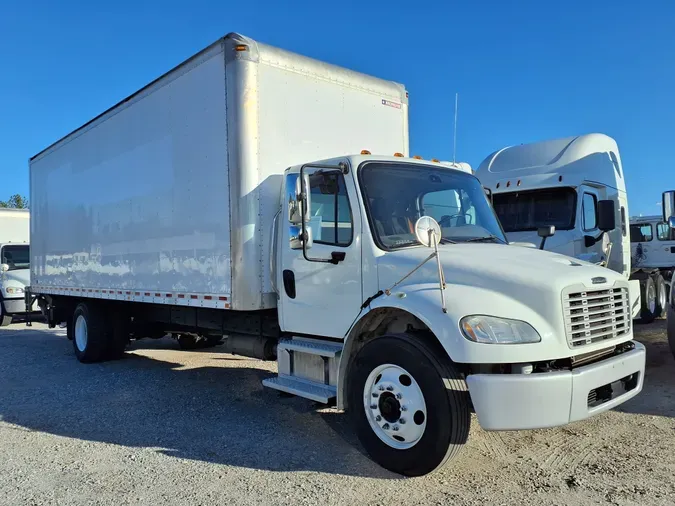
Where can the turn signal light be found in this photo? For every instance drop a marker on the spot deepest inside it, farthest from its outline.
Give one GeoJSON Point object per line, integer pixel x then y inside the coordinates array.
{"type": "Point", "coordinates": [241, 47]}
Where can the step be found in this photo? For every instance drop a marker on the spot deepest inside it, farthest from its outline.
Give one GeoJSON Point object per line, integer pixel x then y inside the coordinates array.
{"type": "Point", "coordinates": [302, 388]}
{"type": "Point", "coordinates": [310, 347]}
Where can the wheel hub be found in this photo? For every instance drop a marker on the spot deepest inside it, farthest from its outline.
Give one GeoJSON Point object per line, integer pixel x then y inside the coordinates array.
{"type": "Point", "coordinates": [389, 407]}
{"type": "Point", "coordinates": [395, 406]}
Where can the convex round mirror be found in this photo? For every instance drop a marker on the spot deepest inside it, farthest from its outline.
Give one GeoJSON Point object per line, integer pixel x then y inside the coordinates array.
{"type": "Point", "coordinates": [427, 231]}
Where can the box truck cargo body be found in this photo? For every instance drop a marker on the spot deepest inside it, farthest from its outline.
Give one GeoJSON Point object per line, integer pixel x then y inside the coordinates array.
{"type": "Point", "coordinates": [263, 199]}
{"type": "Point", "coordinates": [169, 191]}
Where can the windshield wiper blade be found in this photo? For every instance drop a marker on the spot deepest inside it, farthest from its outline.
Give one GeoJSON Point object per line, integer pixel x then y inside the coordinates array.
{"type": "Point", "coordinates": [446, 241]}
{"type": "Point", "coordinates": [486, 238]}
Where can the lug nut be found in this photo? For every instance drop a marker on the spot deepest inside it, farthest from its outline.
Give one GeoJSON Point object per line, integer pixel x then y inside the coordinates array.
{"type": "Point", "coordinates": [381, 388]}
{"type": "Point", "coordinates": [399, 395]}
{"type": "Point", "coordinates": [395, 428]}
{"type": "Point", "coordinates": [375, 394]}
{"type": "Point", "coordinates": [378, 418]}
{"type": "Point", "coordinates": [403, 408]}
{"type": "Point", "coordinates": [390, 388]}
{"type": "Point", "coordinates": [373, 406]}
{"type": "Point", "coordinates": [385, 426]}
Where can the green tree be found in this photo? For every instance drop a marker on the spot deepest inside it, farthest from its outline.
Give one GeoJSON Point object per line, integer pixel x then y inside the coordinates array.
{"type": "Point", "coordinates": [15, 202]}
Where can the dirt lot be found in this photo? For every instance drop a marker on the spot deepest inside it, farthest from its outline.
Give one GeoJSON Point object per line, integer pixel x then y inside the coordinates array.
{"type": "Point", "coordinates": [171, 427]}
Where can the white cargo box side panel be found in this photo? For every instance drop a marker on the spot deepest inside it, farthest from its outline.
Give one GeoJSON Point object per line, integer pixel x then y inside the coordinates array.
{"type": "Point", "coordinates": [295, 110]}
{"type": "Point", "coordinates": [138, 200]}
{"type": "Point", "coordinates": [14, 225]}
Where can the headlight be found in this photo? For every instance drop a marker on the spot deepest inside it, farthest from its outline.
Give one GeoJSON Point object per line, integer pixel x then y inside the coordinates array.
{"type": "Point", "coordinates": [493, 330]}
{"type": "Point", "coordinates": [12, 290]}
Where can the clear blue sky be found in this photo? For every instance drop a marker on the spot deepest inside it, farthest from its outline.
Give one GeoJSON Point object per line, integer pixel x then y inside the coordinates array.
{"type": "Point", "coordinates": [524, 72]}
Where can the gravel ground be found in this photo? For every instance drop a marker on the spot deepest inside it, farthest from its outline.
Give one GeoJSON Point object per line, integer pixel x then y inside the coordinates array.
{"type": "Point", "coordinates": [172, 427]}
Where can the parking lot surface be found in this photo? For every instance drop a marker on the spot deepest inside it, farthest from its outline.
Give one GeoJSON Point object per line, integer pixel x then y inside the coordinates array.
{"type": "Point", "coordinates": [163, 426]}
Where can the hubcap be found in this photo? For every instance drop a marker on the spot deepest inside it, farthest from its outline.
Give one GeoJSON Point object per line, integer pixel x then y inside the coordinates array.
{"type": "Point", "coordinates": [395, 406]}
{"type": "Point", "coordinates": [651, 299]}
{"type": "Point", "coordinates": [81, 333]}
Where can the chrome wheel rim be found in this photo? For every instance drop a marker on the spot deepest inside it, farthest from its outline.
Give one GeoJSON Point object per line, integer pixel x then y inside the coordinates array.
{"type": "Point", "coordinates": [395, 406]}
{"type": "Point", "coordinates": [81, 333]}
{"type": "Point", "coordinates": [651, 299]}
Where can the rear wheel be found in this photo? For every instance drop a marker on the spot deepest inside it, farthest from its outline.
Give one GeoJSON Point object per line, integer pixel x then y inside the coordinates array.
{"type": "Point", "coordinates": [661, 295]}
{"type": "Point", "coordinates": [90, 335]}
{"type": "Point", "coordinates": [648, 295]}
{"type": "Point", "coordinates": [410, 410]}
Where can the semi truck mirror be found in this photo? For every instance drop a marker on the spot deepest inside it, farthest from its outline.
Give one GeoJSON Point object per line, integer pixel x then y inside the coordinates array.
{"type": "Point", "coordinates": [296, 237]}
{"type": "Point", "coordinates": [545, 233]}
{"type": "Point", "coordinates": [4, 267]}
{"type": "Point", "coordinates": [427, 231]}
{"type": "Point", "coordinates": [294, 199]}
{"type": "Point", "coordinates": [606, 215]}
{"type": "Point", "coordinates": [668, 207]}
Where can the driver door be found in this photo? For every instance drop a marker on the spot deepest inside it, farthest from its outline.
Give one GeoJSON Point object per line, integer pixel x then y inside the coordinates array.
{"type": "Point", "coordinates": [317, 297]}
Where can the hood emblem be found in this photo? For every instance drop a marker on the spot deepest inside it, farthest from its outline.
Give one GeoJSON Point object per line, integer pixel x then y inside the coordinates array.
{"type": "Point", "coordinates": [599, 280]}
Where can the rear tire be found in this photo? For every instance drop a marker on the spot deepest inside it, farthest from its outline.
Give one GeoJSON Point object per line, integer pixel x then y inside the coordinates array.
{"type": "Point", "coordinates": [649, 298]}
{"type": "Point", "coordinates": [188, 342]}
{"type": "Point", "coordinates": [91, 337]}
{"type": "Point", "coordinates": [433, 389]}
{"type": "Point", "coordinates": [661, 295]}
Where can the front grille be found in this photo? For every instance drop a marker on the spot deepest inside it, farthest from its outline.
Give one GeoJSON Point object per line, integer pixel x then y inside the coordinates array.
{"type": "Point", "coordinates": [592, 316]}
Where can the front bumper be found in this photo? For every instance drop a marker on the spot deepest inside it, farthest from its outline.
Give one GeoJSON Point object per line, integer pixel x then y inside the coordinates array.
{"type": "Point", "coordinates": [18, 306]}
{"type": "Point", "coordinates": [540, 400]}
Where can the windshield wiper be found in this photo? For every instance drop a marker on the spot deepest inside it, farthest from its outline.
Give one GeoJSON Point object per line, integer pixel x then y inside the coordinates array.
{"type": "Point", "coordinates": [486, 238]}
{"type": "Point", "coordinates": [446, 241]}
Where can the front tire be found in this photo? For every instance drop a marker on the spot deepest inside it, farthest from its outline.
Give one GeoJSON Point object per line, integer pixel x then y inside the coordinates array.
{"type": "Point", "coordinates": [649, 297]}
{"type": "Point", "coordinates": [90, 335]}
{"type": "Point", "coordinates": [4, 318]}
{"type": "Point", "coordinates": [661, 295]}
{"type": "Point", "coordinates": [410, 409]}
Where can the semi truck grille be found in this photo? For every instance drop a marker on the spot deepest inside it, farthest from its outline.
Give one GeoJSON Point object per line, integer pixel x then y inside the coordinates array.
{"type": "Point", "coordinates": [592, 316]}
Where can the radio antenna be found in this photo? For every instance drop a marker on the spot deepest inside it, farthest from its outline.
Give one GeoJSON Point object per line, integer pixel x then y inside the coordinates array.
{"type": "Point", "coordinates": [454, 142]}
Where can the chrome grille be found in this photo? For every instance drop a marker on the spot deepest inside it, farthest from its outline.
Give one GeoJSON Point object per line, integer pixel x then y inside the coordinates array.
{"type": "Point", "coordinates": [592, 316]}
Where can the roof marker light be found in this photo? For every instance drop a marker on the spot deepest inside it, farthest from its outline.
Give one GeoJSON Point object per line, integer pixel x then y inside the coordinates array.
{"type": "Point", "coordinates": [365, 152]}
{"type": "Point", "coordinates": [417, 157]}
{"type": "Point", "coordinates": [241, 47]}
{"type": "Point", "coordinates": [398, 155]}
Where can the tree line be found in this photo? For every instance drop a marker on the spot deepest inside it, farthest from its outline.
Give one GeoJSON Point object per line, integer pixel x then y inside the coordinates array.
{"type": "Point", "coordinates": [15, 202]}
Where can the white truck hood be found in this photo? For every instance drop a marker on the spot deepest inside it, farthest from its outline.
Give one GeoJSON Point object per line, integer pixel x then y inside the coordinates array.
{"type": "Point", "coordinates": [17, 277]}
{"type": "Point", "coordinates": [498, 280]}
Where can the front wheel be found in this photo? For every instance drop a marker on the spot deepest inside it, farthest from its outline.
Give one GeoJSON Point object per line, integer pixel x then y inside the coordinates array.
{"type": "Point", "coordinates": [4, 318]}
{"type": "Point", "coordinates": [410, 409]}
{"type": "Point", "coordinates": [649, 300]}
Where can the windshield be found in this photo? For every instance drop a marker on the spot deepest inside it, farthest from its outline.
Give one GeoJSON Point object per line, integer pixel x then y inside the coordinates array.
{"type": "Point", "coordinates": [397, 194]}
{"type": "Point", "coordinates": [17, 257]}
{"type": "Point", "coordinates": [529, 210]}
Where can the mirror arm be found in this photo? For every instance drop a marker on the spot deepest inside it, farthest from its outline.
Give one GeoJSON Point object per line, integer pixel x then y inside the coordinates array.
{"type": "Point", "coordinates": [543, 241]}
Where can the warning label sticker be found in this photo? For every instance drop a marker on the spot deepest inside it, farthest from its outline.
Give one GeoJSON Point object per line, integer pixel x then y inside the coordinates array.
{"type": "Point", "coordinates": [391, 104]}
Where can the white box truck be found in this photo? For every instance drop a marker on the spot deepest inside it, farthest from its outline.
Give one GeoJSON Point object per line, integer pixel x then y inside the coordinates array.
{"type": "Point", "coordinates": [236, 198]}
{"type": "Point", "coordinates": [14, 264]}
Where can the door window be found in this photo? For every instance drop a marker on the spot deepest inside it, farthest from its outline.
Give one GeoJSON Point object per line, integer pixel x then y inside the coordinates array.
{"type": "Point", "coordinates": [331, 216]}
{"type": "Point", "coordinates": [589, 211]}
{"type": "Point", "coordinates": [664, 232]}
{"type": "Point", "coordinates": [641, 232]}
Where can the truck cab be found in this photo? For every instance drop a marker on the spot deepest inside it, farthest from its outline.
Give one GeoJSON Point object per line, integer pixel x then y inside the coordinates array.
{"type": "Point", "coordinates": [374, 315]}
{"type": "Point", "coordinates": [564, 183]}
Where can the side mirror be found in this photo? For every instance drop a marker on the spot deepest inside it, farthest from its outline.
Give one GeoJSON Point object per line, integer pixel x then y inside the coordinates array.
{"type": "Point", "coordinates": [294, 199]}
{"type": "Point", "coordinates": [606, 215]}
{"type": "Point", "coordinates": [428, 231]}
{"type": "Point", "coordinates": [668, 207]}
{"type": "Point", "coordinates": [4, 268]}
{"type": "Point", "coordinates": [296, 237]}
{"type": "Point", "coordinates": [488, 193]}
{"type": "Point", "coordinates": [545, 233]}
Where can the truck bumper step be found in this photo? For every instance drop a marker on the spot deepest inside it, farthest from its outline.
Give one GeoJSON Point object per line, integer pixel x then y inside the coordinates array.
{"type": "Point", "coordinates": [302, 388]}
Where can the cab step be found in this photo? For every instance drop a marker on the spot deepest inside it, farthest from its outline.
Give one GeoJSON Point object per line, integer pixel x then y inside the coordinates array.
{"type": "Point", "coordinates": [307, 368]}
{"type": "Point", "coordinates": [302, 388]}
